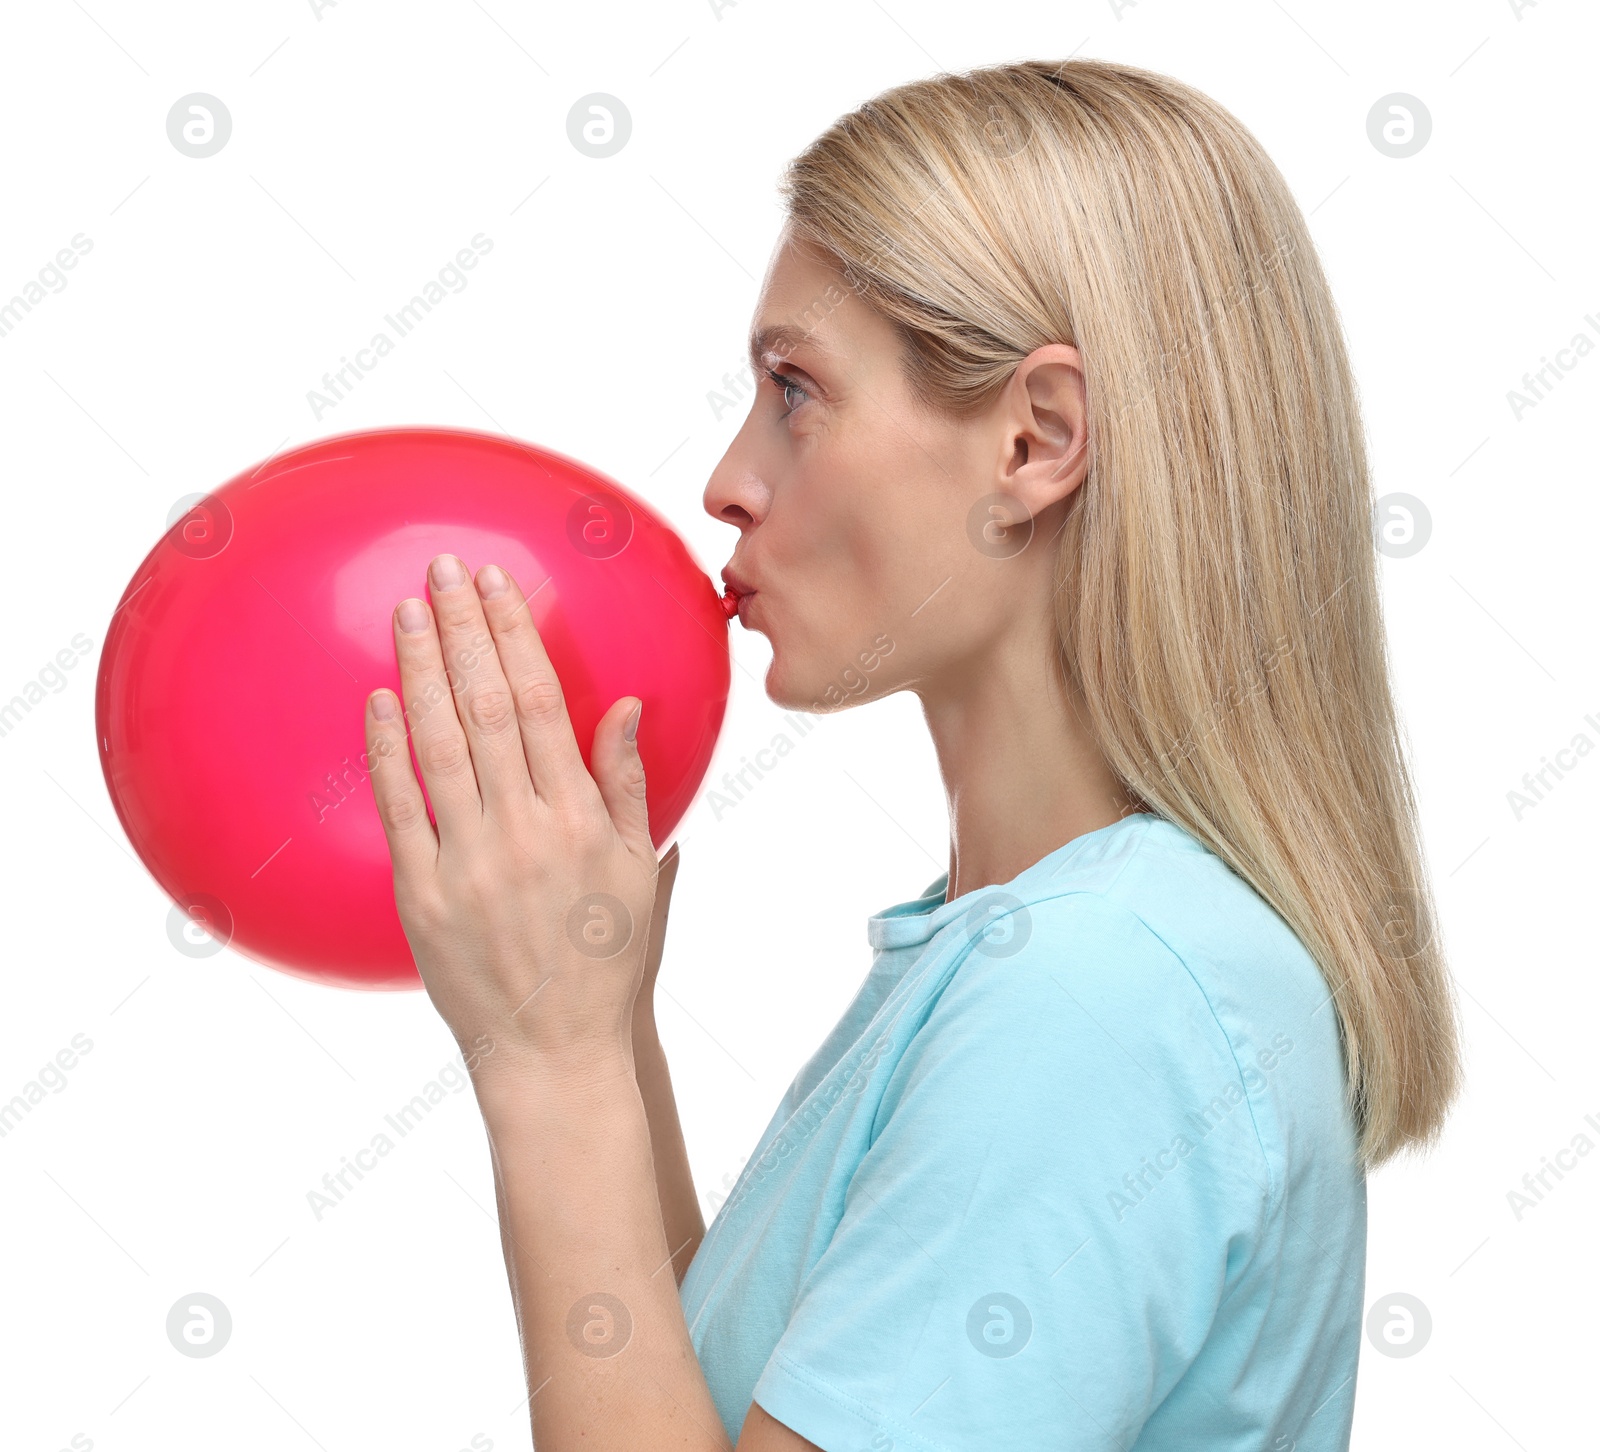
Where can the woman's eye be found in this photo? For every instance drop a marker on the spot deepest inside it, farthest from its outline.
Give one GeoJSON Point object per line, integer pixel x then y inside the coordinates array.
{"type": "Point", "coordinates": [787, 388]}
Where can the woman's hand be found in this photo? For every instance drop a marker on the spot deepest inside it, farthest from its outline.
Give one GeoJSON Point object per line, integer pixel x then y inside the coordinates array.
{"type": "Point", "coordinates": [644, 1006]}
{"type": "Point", "coordinates": [528, 907]}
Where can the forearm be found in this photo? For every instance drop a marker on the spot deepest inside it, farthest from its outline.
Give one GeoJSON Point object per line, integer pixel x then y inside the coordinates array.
{"type": "Point", "coordinates": [609, 1361]}
{"type": "Point", "coordinates": [680, 1206]}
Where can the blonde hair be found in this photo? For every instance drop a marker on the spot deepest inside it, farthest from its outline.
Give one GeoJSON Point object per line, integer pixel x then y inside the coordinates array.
{"type": "Point", "coordinates": [1218, 596]}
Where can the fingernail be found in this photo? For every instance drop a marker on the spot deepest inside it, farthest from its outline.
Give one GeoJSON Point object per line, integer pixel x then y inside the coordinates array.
{"type": "Point", "coordinates": [413, 616]}
{"type": "Point", "coordinates": [630, 727]}
{"type": "Point", "coordinates": [492, 581]}
{"type": "Point", "coordinates": [383, 704]}
{"type": "Point", "coordinates": [445, 572]}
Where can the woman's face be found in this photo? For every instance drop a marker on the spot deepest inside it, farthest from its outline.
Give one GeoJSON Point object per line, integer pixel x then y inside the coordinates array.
{"type": "Point", "coordinates": [865, 528]}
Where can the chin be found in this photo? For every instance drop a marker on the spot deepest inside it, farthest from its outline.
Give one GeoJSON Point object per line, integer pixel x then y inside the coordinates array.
{"type": "Point", "coordinates": [819, 697]}
{"type": "Point", "coordinates": [783, 692]}
{"type": "Point", "coordinates": [791, 694]}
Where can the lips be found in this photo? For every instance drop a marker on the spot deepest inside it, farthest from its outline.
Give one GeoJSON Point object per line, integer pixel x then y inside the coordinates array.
{"type": "Point", "coordinates": [736, 598]}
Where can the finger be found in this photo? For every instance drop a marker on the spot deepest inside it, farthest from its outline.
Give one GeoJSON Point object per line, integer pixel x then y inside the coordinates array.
{"type": "Point", "coordinates": [483, 696]}
{"type": "Point", "coordinates": [413, 845]}
{"type": "Point", "coordinates": [619, 773]}
{"type": "Point", "coordinates": [441, 744]}
{"type": "Point", "coordinates": [549, 746]}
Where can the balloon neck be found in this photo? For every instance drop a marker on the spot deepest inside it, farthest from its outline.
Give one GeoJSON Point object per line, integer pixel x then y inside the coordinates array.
{"type": "Point", "coordinates": [729, 603]}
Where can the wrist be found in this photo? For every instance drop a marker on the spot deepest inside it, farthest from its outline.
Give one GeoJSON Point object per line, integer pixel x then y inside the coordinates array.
{"type": "Point", "coordinates": [543, 1084]}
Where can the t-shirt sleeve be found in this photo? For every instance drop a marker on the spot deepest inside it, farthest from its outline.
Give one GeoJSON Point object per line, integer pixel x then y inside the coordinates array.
{"type": "Point", "coordinates": [1064, 1177]}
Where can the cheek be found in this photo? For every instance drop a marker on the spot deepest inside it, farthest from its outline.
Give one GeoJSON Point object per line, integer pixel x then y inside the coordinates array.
{"type": "Point", "coordinates": [866, 507]}
{"type": "Point", "coordinates": [835, 641]}
{"type": "Point", "coordinates": [869, 529]}
{"type": "Point", "coordinates": [821, 536]}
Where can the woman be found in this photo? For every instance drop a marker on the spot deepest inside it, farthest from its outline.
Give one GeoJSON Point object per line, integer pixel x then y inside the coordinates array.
{"type": "Point", "coordinates": [1056, 430]}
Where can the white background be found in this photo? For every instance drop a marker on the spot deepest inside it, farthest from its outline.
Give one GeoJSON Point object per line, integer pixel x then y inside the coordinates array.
{"type": "Point", "coordinates": [369, 145]}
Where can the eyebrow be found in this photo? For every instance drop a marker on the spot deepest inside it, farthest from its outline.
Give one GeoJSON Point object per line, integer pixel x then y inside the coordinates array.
{"type": "Point", "coordinates": [782, 339]}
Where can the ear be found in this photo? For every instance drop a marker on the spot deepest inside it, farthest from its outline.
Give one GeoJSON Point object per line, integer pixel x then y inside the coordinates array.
{"type": "Point", "coordinates": [1044, 440]}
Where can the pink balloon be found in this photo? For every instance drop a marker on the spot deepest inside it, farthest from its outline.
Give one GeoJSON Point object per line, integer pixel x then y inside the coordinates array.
{"type": "Point", "coordinates": [232, 687]}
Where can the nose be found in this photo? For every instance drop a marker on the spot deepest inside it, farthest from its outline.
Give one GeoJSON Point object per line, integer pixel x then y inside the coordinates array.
{"type": "Point", "coordinates": [736, 492]}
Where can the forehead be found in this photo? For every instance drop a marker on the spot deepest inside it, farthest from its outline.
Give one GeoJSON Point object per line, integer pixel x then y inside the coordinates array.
{"type": "Point", "coordinates": [804, 302]}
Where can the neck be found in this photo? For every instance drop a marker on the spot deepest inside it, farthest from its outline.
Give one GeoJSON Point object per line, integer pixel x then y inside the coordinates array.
{"type": "Point", "coordinates": [1022, 774]}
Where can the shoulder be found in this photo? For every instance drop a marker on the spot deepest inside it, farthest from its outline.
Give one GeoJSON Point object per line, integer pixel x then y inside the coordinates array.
{"type": "Point", "coordinates": [1148, 994]}
{"type": "Point", "coordinates": [1151, 926]}
{"type": "Point", "coordinates": [1081, 1073]}
{"type": "Point", "coordinates": [1091, 974]}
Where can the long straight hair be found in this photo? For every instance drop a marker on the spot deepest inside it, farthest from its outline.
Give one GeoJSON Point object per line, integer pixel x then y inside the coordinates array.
{"type": "Point", "coordinates": [1218, 605]}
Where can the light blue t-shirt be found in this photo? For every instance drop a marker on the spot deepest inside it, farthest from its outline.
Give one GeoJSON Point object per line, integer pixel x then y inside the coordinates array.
{"type": "Point", "coordinates": [1074, 1171]}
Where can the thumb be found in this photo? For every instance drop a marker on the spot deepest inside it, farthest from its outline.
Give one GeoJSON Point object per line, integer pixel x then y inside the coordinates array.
{"type": "Point", "coordinates": [620, 775]}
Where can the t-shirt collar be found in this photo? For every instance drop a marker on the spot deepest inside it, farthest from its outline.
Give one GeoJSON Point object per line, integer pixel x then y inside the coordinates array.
{"type": "Point", "coordinates": [909, 924]}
